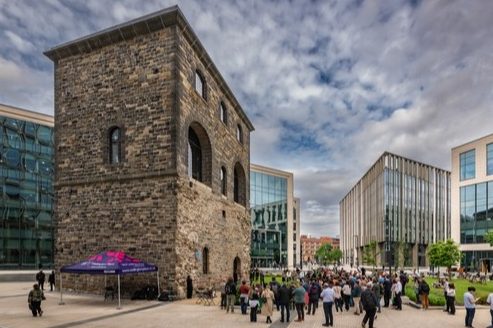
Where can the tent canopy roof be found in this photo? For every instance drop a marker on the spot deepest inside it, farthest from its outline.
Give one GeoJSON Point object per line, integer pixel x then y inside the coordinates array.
{"type": "Point", "coordinates": [110, 262]}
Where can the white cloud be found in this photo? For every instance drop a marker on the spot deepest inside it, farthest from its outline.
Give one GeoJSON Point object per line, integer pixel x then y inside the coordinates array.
{"type": "Point", "coordinates": [341, 81]}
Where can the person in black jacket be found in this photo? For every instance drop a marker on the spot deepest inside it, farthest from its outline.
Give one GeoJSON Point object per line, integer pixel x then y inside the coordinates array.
{"type": "Point", "coordinates": [369, 303]}
{"type": "Point", "coordinates": [284, 298]}
{"type": "Point", "coordinates": [40, 278]}
{"type": "Point", "coordinates": [313, 296]}
{"type": "Point", "coordinates": [387, 291]}
{"type": "Point", "coordinates": [51, 280]}
{"type": "Point", "coordinates": [189, 287]}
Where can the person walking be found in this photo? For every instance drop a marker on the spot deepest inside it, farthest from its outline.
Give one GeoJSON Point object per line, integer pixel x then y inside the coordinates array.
{"type": "Point", "coordinates": [387, 291]}
{"type": "Point", "coordinates": [489, 300]}
{"type": "Point", "coordinates": [470, 305]}
{"type": "Point", "coordinates": [254, 303]}
{"type": "Point", "coordinates": [337, 296]}
{"type": "Point", "coordinates": [189, 287]}
{"type": "Point", "coordinates": [356, 293]}
{"type": "Point", "coordinates": [313, 296]}
{"type": "Point", "coordinates": [230, 295]}
{"type": "Point", "coordinates": [268, 305]}
{"type": "Point", "coordinates": [424, 292]}
{"type": "Point", "coordinates": [403, 280]}
{"type": "Point", "coordinates": [40, 278]}
{"type": "Point", "coordinates": [451, 299]}
{"type": "Point", "coordinates": [398, 293]}
{"type": "Point", "coordinates": [34, 300]}
{"type": "Point", "coordinates": [369, 303]}
{"type": "Point", "coordinates": [328, 297]}
{"type": "Point", "coordinates": [346, 294]}
{"type": "Point", "coordinates": [377, 290]}
{"type": "Point", "coordinates": [445, 291]}
{"type": "Point", "coordinates": [222, 287]}
{"type": "Point", "coordinates": [299, 302]}
{"type": "Point", "coordinates": [283, 300]}
{"type": "Point", "coordinates": [51, 280]}
{"type": "Point", "coordinates": [244, 291]}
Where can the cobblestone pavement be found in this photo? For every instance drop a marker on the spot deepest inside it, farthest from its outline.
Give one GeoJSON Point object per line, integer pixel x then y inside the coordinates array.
{"type": "Point", "coordinates": [92, 311]}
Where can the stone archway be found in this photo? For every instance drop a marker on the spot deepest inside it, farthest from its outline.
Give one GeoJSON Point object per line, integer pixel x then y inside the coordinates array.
{"type": "Point", "coordinates": [236, 269]}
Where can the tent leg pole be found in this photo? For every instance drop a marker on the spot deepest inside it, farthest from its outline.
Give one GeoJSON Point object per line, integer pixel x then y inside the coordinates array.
{"type": "Point", "coordinates": [158, 289]}
{"type": "Point", "coordinates": [119, 303]}
{"type": "Point", "coordinates": [61, 291]}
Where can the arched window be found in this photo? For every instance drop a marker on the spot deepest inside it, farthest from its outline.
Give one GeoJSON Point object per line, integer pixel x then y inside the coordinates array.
{"type": "Point", "coordinates": [239, 185]}
{"type": "Point", "coordinates": [199, 154]}
{"type": "Point", "coordinates": [205, 260]}
{"type": "Point", "coordinates": [194, 155]}
{"type": "Point", "coordinates": [223, 181]}
{"type": "Point", "coordinates": [239, 134]}
{"type": "Point", "coordinates": [200, 83]}
{"type": "Point", "coordinates": [223, 113]}
{"type": "Point", "coordinates": [115, 145]}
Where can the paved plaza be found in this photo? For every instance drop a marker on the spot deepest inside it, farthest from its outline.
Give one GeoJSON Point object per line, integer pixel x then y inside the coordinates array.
{"type": "Point", "coordinates": [93, 311]}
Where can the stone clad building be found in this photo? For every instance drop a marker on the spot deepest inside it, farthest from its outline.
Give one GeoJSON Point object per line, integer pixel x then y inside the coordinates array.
{"type": "Point", "coordinates": [152, 154]}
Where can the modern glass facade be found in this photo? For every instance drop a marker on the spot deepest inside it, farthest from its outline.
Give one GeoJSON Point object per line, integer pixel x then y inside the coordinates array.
{"type": "Point", "coordinates": [26, 190]}
{"type": "Point", "coordinates": [476, 212]}
{"type": "Point", "coordinates": [472, 202]}
{"type": "Point", "coordinates": [401, 204]}
{"type": "Point", "coordinates": [489, 159]}
{"type": "Point", "coordinates": [269, 214]}
{"type": "Point", "coordinates": [468, 165]}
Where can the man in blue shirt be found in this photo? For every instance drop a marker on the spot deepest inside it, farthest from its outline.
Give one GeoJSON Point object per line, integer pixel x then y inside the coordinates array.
{"type": "Point", "coordinates": [469, 304]}
{"type": "Point", "coordinates": [327, 297]}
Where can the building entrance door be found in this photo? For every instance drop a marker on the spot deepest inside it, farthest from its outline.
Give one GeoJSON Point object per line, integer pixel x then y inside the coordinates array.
{"type": "Point", "coordinates": [236, 269]}
{"type": "Point", "coordinates": [485, 265]}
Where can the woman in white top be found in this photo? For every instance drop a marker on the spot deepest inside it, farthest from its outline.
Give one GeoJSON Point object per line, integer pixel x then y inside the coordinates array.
{"type": "Point", "coordinates": [337, 296]}
{"type": "Point", "coordinates": [451, 298]}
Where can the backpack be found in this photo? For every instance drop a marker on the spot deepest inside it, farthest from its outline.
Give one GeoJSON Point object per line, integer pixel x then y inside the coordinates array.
{"type": "Point", "coordinates": [425, 288]}
{"type": "Point", "coordinates": [313, 290]}
{"type": "Point", "coordinates": [230, 289]}
{"type": "Point", "coordinates": [368, 300]}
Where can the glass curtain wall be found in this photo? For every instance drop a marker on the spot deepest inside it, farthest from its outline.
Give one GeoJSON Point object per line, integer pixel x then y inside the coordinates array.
{"type": "Point", "coordinates": [476, 212]}
{"type": "Point", "coordinates": [268, 208]}
{"type": "Point", "coordinates": [26, 194]}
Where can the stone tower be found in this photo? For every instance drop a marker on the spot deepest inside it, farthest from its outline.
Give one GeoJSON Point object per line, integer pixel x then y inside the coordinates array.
{"type": "Point", "coordinates": [152, 154]}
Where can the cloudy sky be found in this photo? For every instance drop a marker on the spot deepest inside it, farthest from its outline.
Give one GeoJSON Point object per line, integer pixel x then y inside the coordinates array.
{"type": "Point", "coordinates": [329, 85]}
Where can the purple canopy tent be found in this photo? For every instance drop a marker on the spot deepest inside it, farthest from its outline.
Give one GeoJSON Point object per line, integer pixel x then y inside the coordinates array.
{"type": "Point", "coordinates": [109, 263]}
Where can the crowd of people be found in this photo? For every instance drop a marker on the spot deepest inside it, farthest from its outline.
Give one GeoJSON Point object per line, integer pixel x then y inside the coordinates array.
{"type": "Point", "coordinates": [338, 289]}
{"type": "Point", "coordinates": [302, 291]}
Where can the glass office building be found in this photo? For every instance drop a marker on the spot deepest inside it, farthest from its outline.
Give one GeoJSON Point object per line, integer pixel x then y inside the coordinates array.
{"type": "Point", "coordinates": [26, 189]}
{"type": "Point", "coordinates": [472, 195]}
{"type": "Point", "coordinates": [403, 205]}
{"type": "Point", "coordinates": [272, 214]}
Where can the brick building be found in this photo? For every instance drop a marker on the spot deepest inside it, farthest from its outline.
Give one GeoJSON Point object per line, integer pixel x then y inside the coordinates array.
{"type": "Point", "coordinates": [310, 245]}
{"type": "Point", "coordinates": [152, 154]}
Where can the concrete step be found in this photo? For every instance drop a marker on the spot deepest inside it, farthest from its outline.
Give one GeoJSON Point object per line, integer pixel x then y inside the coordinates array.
{"type": "Point", "coordinates": [19, 275]}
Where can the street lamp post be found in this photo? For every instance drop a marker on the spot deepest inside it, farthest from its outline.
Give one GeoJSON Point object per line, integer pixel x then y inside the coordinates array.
{"type": "Point", "coordinates": [356, 249]}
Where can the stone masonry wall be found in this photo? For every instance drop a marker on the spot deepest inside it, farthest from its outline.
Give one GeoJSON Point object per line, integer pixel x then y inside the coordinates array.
{"type": "Point", "coordinates": [147, 205]}
{"type": "Point", "coordinates": [130, 206]}
{"type": "Point", "coordinates": [201, 205]}
{"type": "Point", "coordinates": [138, 217]}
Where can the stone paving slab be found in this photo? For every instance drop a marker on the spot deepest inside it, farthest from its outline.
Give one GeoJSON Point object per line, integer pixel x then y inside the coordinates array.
{"type": "Point", "coordinates": [92, 311]}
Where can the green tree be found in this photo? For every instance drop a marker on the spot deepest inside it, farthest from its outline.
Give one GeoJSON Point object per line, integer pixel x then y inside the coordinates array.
{"type": "Point", "coordinates": [371, 253]}
{"type": "Point", "coordinates": [324, 254]}
{"type": "Point", "coordinates": [489, 237]}
{"type": "Point", "coordinates": [398, 248]}
{"type": "Point", "coordinates": [444, 253]}
{"type": "Point", "coordinates": [336, 255]}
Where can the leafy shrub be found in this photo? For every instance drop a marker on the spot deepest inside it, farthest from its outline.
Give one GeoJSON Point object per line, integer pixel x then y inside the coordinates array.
{"type": "Point", "coordinates": [411, 294]}
{"type": "Point", "coordinates": [436, 300]}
